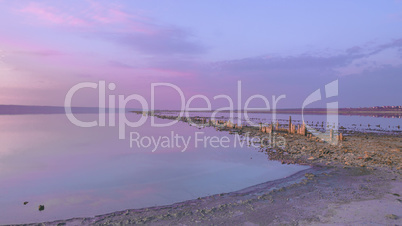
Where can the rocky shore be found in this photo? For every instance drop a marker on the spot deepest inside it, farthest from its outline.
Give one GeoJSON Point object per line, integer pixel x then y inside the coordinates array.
{"type": "Point", "coordinates": [359, 149]}
{"type": "Point", "coordinates": [355, 182]}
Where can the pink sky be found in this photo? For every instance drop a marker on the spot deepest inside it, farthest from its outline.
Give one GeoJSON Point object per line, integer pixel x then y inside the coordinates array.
{"type": "Point", "coordinates": [204, 48]}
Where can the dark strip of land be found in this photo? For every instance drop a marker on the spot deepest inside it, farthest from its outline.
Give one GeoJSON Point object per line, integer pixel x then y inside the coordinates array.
{"type": "Point", "coordinates": [373, 112]}
{"type": "Point", "coordinates": [33, 110]}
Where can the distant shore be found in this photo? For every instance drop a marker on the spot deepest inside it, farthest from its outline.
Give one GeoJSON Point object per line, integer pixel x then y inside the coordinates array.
{"type": "Point", "coordinates": [373, 112]}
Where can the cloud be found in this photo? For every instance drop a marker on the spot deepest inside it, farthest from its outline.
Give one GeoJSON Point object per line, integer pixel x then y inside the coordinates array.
{"type": "Point", "coordinates": [354, 49]}
{"type": "Point", "coordinates": [295, 76]}
{"type": "Point", "coordinates": [367, 51]}
{"type": "Point", "coordinates": [113, 14]}
{"type": "Point", "coordinates": [353, 60]}
{"type": "Point", "coordinates": [111, 22]}
{"type": "Point", "coordinates": [395, 44]}
{"type": "Point", "coordinates": [160, 42]}
{"type": "Point", "coordinates": [280, 66]}
{"type": "Point", "coordinates": [52, 15]}
{"type": "Point", "coordinates": [88, 14]}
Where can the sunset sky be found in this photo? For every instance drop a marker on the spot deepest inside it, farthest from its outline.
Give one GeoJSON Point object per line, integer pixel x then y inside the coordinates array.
{"type": "Point", "coordinates": [203, 47]}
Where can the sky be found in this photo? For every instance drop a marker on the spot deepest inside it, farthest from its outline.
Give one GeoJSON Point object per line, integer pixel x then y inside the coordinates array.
{"type": "Point", "coordinates": [205, 48]}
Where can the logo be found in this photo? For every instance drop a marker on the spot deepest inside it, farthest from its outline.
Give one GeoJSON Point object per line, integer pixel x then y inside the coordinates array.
{"type": "Point", "coordinates": [237, 112]}
{"type": "Point", "coordinates": [331, 131]}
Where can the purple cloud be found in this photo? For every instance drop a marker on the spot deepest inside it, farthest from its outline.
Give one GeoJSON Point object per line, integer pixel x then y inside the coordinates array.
{"type": "Point", "coordinates": [160, 42]}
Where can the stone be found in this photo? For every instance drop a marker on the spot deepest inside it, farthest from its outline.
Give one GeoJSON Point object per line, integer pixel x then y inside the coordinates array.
{"type": "Point", "coordinates": [25, 203]}
{"type": "Point", "coordinates": [41, 207]}
{"type": "Point", "coordinates": [309, 175]}
{"type": "Point", "coordinates": [392, 216]}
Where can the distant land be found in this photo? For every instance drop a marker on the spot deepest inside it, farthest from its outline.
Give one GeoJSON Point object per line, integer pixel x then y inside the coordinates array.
{"type": "Point", "coordinates": [377, 111]}
{"type": "Point", "coordinates": [32, 110]}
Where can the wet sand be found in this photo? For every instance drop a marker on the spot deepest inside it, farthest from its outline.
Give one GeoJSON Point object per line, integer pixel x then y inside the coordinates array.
{"type": "Point", "coordinates": [357, 182]}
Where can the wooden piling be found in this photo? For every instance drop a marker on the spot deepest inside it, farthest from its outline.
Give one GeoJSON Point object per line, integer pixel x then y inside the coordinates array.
{"type": "Point", "coordinates": [340, 137]}
{"type": "Point", "coordinates": [290, 124]}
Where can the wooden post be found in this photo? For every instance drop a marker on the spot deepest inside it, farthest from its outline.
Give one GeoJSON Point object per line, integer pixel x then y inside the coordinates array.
{"type": "Point", "coordinates": [290, 124]}
{"type": "Point", "coordinates": [340, 137]}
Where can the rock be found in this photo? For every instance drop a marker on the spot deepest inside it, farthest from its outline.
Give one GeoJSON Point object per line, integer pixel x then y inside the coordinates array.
{"type": "Point", "coordinates": [366, 158]}
{"type": "Point", "coordinates": [392, 216]}
{"type": "Point", "coordinates": [41, 207]}
{"type": "Point", "coordinates": [309, 176]}
{"type": "Point", "coordinates": [395, 150]}
{"type": "Point", "coordinates": [25, 203]}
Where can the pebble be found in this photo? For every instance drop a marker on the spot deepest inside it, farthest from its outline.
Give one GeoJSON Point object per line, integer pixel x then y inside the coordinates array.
{"type": "Point", "coordinates": [392, 216]}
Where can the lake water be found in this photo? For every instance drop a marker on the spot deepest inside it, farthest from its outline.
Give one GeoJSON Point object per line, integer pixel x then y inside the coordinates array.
{"type": "Point", "coordinates": [82, 172]}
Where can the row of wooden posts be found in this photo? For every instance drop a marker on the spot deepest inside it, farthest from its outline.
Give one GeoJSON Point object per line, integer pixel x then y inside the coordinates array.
{"type": "Point", "coordinates": [292, 129]}
{"type": "Point", "coordinates": [227, 124]}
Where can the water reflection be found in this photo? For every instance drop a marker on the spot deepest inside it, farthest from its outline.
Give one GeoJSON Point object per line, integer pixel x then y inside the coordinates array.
{"type": "Point", "coordinates": [77, 172]}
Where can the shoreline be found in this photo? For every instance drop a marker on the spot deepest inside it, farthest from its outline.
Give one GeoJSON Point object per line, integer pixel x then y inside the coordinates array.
{"type": "Point", "coordinates": [310, 196]}
{"type": "Point", "coordinates": [362, 175]}
{"type": "Point", "coordinates": [253, 189]}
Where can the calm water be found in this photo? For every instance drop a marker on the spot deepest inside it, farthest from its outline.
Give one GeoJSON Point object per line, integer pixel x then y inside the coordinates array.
{"type": "Point", "coordinates": [82, 172]}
